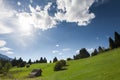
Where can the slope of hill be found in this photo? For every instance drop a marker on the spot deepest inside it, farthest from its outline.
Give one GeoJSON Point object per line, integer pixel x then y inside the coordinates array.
{"type": "Point", "coordinates": [104, 66]}
{"type": "Point", "coordinates": [4, 57]}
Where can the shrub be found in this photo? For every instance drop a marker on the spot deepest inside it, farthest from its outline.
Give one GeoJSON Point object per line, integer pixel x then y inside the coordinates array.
{"type": "Point", "coordinates": [27, 65]}
{"type": "Point", "coordinates": [59, 65]}
{"type": "Point", "coordinates": [68, 59]}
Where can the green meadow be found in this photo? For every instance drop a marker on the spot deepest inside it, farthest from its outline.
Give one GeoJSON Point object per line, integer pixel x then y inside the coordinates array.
{"type": "Point", "coordinates": [105, 66]}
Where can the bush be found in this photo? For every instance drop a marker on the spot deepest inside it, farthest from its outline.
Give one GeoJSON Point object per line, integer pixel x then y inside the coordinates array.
{"type": "Point", "coordinates": [68, 59]}
{"type": "Point", "coordinates": [27, 65]}
{"type": "Point", "coordinates": [59, 65]}
{"type": "Point", "coordinates": [63, 62]}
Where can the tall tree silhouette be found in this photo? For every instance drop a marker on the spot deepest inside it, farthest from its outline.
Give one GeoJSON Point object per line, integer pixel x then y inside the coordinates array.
{"type": "Point", "coordinates": [94, 53]}
{"type": "Point", "coordinates": [117, 39]}
{"type": "Point", "coordinates": [55, 59]}
{"type": "Point", "coordinates": [111, 43]}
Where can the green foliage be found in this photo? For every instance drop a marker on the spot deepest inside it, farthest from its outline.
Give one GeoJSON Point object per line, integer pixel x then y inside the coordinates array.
{"type": "Point", "coordinates": [55, 60]}
{"type": "Point", "coordinates": [4, 66]}
{"type": "Point", "coordinates": [27, 65]}
{"type": "Point", "coordinates": [59, 65]}
{"type": "Point", "coordinates": [94, 53]}
{"type": "Point", "coordinates": [68, 59]}
{"type": "Point", "coordinates": [29, 62]}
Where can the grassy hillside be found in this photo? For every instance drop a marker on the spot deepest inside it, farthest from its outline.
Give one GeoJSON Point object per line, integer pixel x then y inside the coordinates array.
{"type": "Point", "coordinates": [101, 67]}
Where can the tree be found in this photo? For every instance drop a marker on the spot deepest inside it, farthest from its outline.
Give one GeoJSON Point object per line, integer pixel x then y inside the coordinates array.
{"type": "Point", "coordinates": [68, 59]}
{"type": "Point", "coordinates": [94, 53]}
{"type": "Point", "coordinates": [7, 67]}
{"type": "Point", "coordinates": [41, 60]}
{"type": "Point", "coordinates": [100, 49]}
{"type": "Point", "coordinates": [30, 62]}
{"type": "Point", "coordinates": [83, 53]}
{"type": "Point", "coordinates": [14, 62]}
{"type": "Point", "coordinates": [117, 39]}
{"type": "Point", "coordinates": [111, 43]}
{"type": "Point", "coordinates": [45, 60]}
{"type": "Point", "coordinates": [55, 60]}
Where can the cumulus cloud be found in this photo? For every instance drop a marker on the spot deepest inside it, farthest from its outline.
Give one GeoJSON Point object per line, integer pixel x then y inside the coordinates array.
{"type": "Point", "coordinates": [2, 43]}
{"type": "Point", "coordinates": [5, 49]}
{"type": "Point", "coordinates": [38, 18]}
{"type": "Point", "coordinates": [90, 50]}
{"type": "Point", "coordinates": [75, 11]}
{"type": "Point", "coordinates": [77, 51]}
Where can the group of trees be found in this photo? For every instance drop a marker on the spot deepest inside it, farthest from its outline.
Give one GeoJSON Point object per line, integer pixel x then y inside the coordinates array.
{"type": "Point", "coordinates": [18, 62]}
{"type": "Point", "coordinates": [83, 53]}
{"type": "Point", "coordinates": [116, 42]}
{"type": "Point", "coordinates": [42, 60]}
{"type": "Point", "coordinates": [5, 65]}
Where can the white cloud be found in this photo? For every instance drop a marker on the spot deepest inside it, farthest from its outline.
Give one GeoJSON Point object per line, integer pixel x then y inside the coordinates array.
{"type": "Point", "coordinates": [66, 49]}
{"type": "Point", "coordinates": [57, 45]}
{"type": "Point", "coordinates": [9, 52]}
{"type": "Point", "coordinates": [77, 51]}
{"type": "Point", "coordinates": [41, 19]}
{"type": "Point", "coordinates": [90, 50]}
{"type": "Point", "coordinates": [55, 51]}
{"type": "Point", "coordinates": [5, 49]}
{"type": "Point", "coordinates": [18, 3]}
{"type": "Point", "coordinates": [60, 53]}
{"type": "Point", "coordinates": [71, 11]}
{"type": "Point", "coordinates": [4, 29]}
{"type": "Point", "coordinates": [2, 43]}
{"type": "Point", "coordinates": [75, 11]}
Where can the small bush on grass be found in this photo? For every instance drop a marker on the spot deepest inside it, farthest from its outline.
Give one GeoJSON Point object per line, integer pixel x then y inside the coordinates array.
{"type": "Point", "coordinates": [59, 65]}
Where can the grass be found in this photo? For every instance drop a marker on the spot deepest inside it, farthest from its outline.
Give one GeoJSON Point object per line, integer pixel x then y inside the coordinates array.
{"type": "Point", "coordinates": [104, 66]}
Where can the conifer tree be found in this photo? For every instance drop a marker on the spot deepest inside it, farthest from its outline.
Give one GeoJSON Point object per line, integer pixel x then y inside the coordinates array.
{"type": "Point", "coordinates": [111, 43]}
{"type": "Point", "coordinates": [117, 39]}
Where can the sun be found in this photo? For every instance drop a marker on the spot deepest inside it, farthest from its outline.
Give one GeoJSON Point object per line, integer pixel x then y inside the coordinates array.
{"type": "Point", "coordinates": [26, 24]}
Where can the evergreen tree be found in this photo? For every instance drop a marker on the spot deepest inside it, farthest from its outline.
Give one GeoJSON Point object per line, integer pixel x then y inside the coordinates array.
{"type": "Point", "coordinates": [55, 59]}
{"type": "Point", "coordinates": [45, 60]}
{"type": "Point", "coordinates": [111, 43]}
{"type": "Point", "coordinates": [41, 60]}
{"type": "Point", "coordinates": [30, 62]}
{"type": "Point", "coordinates": [94, 53]}
{"type": "Point", "coordinates": [14, 62]}
{"type": "Point", "coordinates": [100, 49]}
{"type": "Point", "coordinates": [117, 39]}
{"type": "Point", "coordinates": [83, 53]}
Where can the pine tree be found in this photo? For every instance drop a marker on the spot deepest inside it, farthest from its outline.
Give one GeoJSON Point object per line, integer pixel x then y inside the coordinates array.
{"type": "Point", "coordinates": [94, 53]}
{"type": "Point", "coordinates": [41, 60]}
{"type": "Point", "coordinates": [55, 59]}
{"type": "Point", "coordinates": [111, 43]}
{"type": "Point", "coordinates": [30, 62]}
{"type": "Point", "coordinates": [45, 60]}
{"type": "Point", "coordinates": [100, 49]}
{"type": "Point", "coordinates": [117, 39]}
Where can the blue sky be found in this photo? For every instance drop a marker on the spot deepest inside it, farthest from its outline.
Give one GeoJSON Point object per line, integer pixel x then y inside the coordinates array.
{"type": "Point", "coordinates": [49, 28]}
